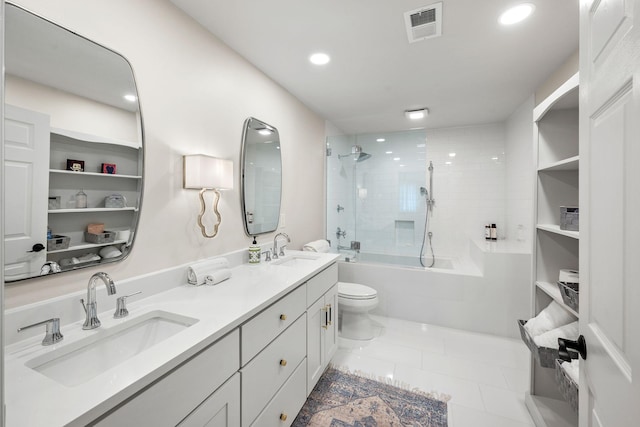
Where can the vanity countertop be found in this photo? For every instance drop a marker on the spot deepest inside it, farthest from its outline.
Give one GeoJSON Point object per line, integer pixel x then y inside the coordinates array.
{"type": "Point", "coordinates": [33, 399]}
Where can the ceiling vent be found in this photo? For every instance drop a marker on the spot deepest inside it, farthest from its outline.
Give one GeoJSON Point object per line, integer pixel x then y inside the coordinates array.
{"type": "Point", "coordinates": [424, 23]}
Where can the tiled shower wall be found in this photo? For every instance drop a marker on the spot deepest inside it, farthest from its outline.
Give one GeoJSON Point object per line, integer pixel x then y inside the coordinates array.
{"type": "Point", "coordinates": [383, 208]}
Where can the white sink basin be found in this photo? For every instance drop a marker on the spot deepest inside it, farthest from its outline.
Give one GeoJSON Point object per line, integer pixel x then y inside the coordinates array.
{"type": "Point", "coordinates": [295, 260]}
{"type": "Point", "coordinates": [83, 360]}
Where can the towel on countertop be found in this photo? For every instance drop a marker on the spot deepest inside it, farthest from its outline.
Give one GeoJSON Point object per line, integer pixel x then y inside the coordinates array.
{"type": "Point", "coordinates": [196, 273]}
{"type": "Point", "coordinates": [317, 246]}
{"type": "Point", "coordinates": [553, 316]}
{"type": "Point", "coordinates": [217, 276]}
{"type": "Point", "coordinates": [572, 369]}
{"type": "Point", "coordinates": [550, 339]}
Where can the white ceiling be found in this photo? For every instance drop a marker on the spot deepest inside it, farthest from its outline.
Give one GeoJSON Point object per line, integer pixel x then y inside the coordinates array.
{"type": "Point", "coordinates": [477, 72]}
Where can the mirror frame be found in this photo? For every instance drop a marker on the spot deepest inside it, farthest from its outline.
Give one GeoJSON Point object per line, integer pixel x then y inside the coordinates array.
{"type": "Point", "coordinates": [243, 156]}
{"type": "Point", "coordinates": [135, 222]}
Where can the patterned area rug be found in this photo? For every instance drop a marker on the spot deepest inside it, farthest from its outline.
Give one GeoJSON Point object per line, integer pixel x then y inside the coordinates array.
{"type": "Point", "coordinates": [342, 399]}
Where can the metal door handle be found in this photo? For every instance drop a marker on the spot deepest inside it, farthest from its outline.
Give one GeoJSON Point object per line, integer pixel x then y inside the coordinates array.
{"type": "Point", "coordinates": [580, 345]}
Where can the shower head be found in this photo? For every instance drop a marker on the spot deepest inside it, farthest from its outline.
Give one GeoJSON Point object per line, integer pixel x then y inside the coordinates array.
{"type": "Point", "coordinates": [356, 154]}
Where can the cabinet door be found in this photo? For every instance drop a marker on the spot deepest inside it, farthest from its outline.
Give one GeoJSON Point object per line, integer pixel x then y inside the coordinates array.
{"type": "Point", "coordinates": [221, 409]}
{"type": "Point", "coordinates": [331, 333]}
{"type": "Point", "coordinates": [315, 342]}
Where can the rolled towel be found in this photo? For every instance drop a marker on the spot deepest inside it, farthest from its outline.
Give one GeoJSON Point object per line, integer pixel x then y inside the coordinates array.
{"type": "Point", "coordinates": [572, 369]}
{"type": "Point", "coordinates": [196, 272]}
{"type": "Point", "coordinates": [553, 316]}
{"type": "Point", "coordinates": [217, 276]}
{"type": "Point", "coordinates": [550, 339]}
{"type": "Point", "coordinates": [317, 246]}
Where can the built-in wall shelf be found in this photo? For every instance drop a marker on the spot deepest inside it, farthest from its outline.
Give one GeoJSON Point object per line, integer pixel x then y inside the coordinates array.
{"type": "Point", "coordinates": [552, 290]}
{"type": "Point", "coordinates": [570, 164]}
{"type": "Point", "coordinates": [101, 175]}
{"type": "Point", "coordinates": [552, 228]}
{"type": "Point", "coordinates": [548, 412]}
{"type": "Point", "coordinates": [96, 139]}
{"type": "Point", "coordinates": [87, 210]}
{"type": "Point", "coordinates": [557, 180]}
{"type": "Point", "coordinates": [84, 245]}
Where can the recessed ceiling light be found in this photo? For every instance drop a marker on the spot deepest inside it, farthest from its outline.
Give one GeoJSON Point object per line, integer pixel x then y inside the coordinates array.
{"type": "Point", "coordinates": [417, 114]}
{"type": "Point", "coordinates": [265, 132]}
{"type": "Point", "coordinates": [494, 158]}
{"type": "Point", "coordinates": [421, 145]}
{"type": "Point", "coordinates": [319, 58]}
{"type": "Point", "coordinates": [516, 14]}
{"type": "Point", "coordinates": [396, 158]}
{"type": "Point", "coordinates": [388, 152]}
{"type": "Point", "coordinates": [452, 154]}
{"type": "Point", "coordinates": [447, 163]}
{"type": "Point", "coordinates": [380, 140]}
{"type": "Point", "coordinates": [129, 97]}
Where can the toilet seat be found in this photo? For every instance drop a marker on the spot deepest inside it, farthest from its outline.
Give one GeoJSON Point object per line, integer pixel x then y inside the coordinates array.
{"type": "Point", "coordinates": [356, 291]}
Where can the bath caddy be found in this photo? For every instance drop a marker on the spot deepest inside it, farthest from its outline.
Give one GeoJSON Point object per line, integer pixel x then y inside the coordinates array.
{"type": "Point", "coordinates": [568, 388]}
{"type": "Point", "coordinates": [545, 356]}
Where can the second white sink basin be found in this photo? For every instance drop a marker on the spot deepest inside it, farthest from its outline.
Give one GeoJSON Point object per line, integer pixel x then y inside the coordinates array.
{"type": "Point", "coordinates": [295, 260]}
{"type": "Point", "coordinates": [83, 360]}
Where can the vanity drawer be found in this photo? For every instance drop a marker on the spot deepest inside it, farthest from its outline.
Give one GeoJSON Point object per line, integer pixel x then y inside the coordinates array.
{"type": "Point", "coordinates": [268, 324]}
{"type": "Point", "coordinates": [265, 374]}
{"type": "Point", "coordinates": [167, 401]}
{"type": "Point", "coordinates": [287, 402]}
{"type": "Point", "coordinates": [319, 284]}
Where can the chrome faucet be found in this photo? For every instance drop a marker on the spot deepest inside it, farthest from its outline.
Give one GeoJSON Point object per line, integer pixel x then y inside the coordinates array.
{"type": "Point", "coordinates": [275, 245]}
{"type": "Point", "coordinates": [91, 307]}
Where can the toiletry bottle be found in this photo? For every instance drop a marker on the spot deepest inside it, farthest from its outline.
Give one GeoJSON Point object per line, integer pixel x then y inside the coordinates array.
{"type": "Point", "coordinates": [487, 232]}
{"type": "Point", "coordinates": [254, 252]}
{"type": "Point", "coordinates": [494, 232]}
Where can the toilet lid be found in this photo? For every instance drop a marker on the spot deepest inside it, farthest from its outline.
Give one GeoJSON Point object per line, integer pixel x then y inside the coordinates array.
{"type": "Point", "coordinates": [355, 291]}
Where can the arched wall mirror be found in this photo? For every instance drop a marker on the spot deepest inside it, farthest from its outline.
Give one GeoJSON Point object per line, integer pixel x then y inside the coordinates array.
{"type": "Point", "coordinates": [261, 177]}
{"type": "Point", "coordinates": [73, 150]}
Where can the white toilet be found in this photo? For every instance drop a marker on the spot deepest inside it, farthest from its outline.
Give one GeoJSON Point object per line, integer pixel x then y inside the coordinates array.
{"type": "Point", "coordinates": [354, 303]}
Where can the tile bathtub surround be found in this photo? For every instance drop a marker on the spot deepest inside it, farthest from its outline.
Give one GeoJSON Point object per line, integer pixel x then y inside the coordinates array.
{"type": "Point", "coordinates": [486, 376]}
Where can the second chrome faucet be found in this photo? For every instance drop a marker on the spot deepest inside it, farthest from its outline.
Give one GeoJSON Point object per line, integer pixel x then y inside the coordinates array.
{"type": "Point", "coordinates": [91, 305]}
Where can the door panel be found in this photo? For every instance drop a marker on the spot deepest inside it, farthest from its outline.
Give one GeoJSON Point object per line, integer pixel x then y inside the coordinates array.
{"type": "Point", "coordinates": [609, 206]}
{"type": "Point", "coordinates": [26, 184]}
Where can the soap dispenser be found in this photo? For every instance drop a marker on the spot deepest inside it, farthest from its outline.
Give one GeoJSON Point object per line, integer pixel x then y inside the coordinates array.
{"type": "Point", "coordinates": [254, 252]}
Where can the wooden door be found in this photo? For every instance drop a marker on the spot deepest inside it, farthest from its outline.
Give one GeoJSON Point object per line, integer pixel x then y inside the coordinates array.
{"type": "Point", "coordinates": [26, 186]}
{"type": "Point", "coordinates": [609, 209]}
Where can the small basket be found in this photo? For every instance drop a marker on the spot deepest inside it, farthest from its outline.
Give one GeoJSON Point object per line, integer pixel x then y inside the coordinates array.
{"type": "Point", "coordinates": [57, 242]}
{"type": "Point", "coordinates": [569, 218]}
{"type": "Point", "coordinates": [106, 237]}
{"type": "Point", "coordinates": [567, 387]}
{"type": "Point", "coordinates": [545, 356]}
{"type": "Point", "coordinates": [570, 294]}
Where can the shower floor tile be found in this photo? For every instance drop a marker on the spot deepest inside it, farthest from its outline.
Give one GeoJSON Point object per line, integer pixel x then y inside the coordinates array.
{"type": "Point", "coordinates": [485, 375]}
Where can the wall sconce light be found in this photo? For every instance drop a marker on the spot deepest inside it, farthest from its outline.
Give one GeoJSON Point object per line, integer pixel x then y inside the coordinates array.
{"type": "Point", "coordinates": [417, 114]}
{"type": "Point", "coordinates": [207, 173]}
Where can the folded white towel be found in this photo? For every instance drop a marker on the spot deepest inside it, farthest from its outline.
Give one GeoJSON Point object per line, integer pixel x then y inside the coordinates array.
{"type": "Point", "coordinates": [196, 272]}
{"type": "Point", "coordinates": [550, 339]}
{"type": "Point", "coordinates": [553, 316]}
{"type": "Point", "coordinates": [317, 246]}
{"type": "Point", "coordinates": [572, 369]}
{"type": "Point", "coordinates": [217, 276]}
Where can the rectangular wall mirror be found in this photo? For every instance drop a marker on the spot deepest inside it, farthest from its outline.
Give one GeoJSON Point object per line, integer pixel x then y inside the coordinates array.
{"type": "Point", "coordinates": [73, 150]}
{"type": "Point", "coordinates": [261, 177]}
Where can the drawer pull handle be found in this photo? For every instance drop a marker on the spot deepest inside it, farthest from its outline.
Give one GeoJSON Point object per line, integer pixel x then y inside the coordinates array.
{"type": "Point", "coordinates": [283, 362]}
{"type": "Point", "coordinates": [283, 417]}
{"type": "Point", "coordinates": [283, 317]}
{"type": "Point", "coordinates": [330, 315]}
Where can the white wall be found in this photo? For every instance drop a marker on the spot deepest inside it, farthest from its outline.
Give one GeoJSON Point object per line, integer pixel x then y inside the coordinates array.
{"type": "Point", "coordinates": [519, 173]}
{"type": "Point", "coordinates": [195, 94]}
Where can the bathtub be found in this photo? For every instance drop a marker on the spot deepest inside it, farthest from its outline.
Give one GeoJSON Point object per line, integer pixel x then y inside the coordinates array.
{"type": "Point", "coordinates": [486, 291]}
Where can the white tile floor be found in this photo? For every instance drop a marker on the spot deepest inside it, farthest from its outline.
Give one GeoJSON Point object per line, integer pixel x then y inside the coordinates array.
{"type": "Point", "coordinates": [486, 376]}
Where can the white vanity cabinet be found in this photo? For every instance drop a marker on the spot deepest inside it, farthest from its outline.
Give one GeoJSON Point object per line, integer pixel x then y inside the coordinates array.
{"type": "Point", "coordinates": [322, 323]}
{"type": "Point", "coordinates": [174, 397]}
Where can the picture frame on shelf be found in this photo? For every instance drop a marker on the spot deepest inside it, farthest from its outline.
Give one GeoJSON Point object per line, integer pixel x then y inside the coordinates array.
{"type": "Point", "coordinates": [75, 165]}
{"type": "Point", "coordinates": [109, 168]}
